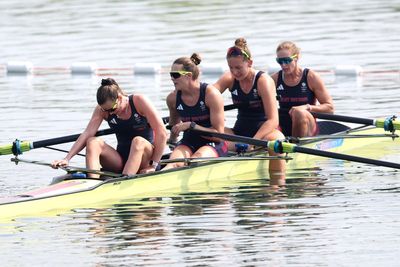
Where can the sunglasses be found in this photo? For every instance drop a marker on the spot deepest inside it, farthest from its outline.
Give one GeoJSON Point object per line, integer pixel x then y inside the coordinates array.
{"type": "Point", "coordinates": [236, 51]}
{"type": "Point", "coordinates": [178, 74]}
{"type": "Point", "coordinates": [114, 107]}
{"type": "Point", "coordinates": [285, 60]}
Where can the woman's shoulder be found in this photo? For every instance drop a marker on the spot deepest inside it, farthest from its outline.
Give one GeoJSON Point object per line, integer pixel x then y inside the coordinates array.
{"type": "Point", "coordinates": [263, 77]}
{"type": "Point", "coordinates": [212, 94]}
{"type": "Point", "coordinates": [275, 76]}
{"type": "Point", "coordinates": [171, 97]}
{"type": "Point", "coordinates": [312, 75]}
{"type": "Point", "coordinates": [138, 99]}
{"type": "Point", "coordinates": [227, 77]}
{"type": "Point", "coordinates": [211, 89]}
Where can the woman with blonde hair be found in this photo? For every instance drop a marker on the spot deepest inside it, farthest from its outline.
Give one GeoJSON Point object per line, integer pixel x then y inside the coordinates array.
{"type": "Point", "coordinates": [299, 92]}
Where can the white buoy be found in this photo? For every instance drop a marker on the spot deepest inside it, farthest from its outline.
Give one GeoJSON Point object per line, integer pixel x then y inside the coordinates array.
{"type": "Point", "coordinates": [348, 70]}
{"type": "Point", "coordinates": [19, 67]}
{"type": "Point", "coordinates": [83, 68]}
{"type": "Point", "coordinates": [213, 68]}
{"type": "Point", "coordinates": [147, 68]}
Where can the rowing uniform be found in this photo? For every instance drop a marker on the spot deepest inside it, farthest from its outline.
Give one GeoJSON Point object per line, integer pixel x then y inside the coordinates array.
{"type": "Point", "coordinates": [291, 96]}
{"type": "Point", "coordinates": [126, 130]}
{"type": "Point", "coordinates": [251, 114]}
{"type": "Point", "coordinates": [200, 114]}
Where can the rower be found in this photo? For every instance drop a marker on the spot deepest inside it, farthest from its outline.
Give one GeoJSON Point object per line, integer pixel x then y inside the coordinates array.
{"type": "Point", "coordinates": [139, 129]}
{"type": "Point", "coordinates": [298, 92]}
{"type": "Point", "coordinates": [254, 92]}
{"type": "Point", "coordinates": [194, 105]}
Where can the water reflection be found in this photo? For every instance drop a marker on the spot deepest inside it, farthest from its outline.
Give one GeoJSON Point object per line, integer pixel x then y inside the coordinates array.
{"type": "Point", "coordinates": [197, 225]}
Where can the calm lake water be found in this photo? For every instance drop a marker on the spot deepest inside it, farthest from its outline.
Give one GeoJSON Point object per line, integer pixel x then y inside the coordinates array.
{"type": "Point", "coordinates": [336, 214]}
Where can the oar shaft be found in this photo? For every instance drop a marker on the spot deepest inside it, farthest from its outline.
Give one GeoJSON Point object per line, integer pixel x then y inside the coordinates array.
{"type": "Point", "coordinates": [66, 139]}
{"type": "Point", "coordinates": [233, 138]}
{"type": "Point", "coordinates": [388, 124]}
{"type": "Point", "coordinates": [326, 116]}
{"type": "Point", "coordinates": [334, 155]}
{"type": "Point", "coordinates": [68, 168]}
{"type": "Point", "coordinates": [226, 108]}
{"type": "Point", "coordinates": [22, 146]}
{"type": "Point", "coordinates": [285, 147]}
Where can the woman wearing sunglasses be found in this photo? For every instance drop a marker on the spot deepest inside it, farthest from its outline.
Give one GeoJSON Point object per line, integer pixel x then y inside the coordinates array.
{"type": "Point", "coordinates": [135, 121]}
{"type": "Point", "coordinates": [194, 105]}
{"type": "Point", "coordinates": [298, 92]}
{"type": "Point", "coordinates": [254, 92]}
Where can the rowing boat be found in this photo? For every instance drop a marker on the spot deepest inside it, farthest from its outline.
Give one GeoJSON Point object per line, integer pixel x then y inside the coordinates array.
{"type": "Point", "coordinates": [76, 193]}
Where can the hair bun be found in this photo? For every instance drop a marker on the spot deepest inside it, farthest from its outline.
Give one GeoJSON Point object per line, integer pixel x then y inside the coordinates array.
{"type": "Point", "coordinates": [195, 58]}
{"type": "Point", "coordinates": [108, 81]}
{"type": "Point", "coordinates": [241, 42]}
{"type": "Point", "coordinates": [105, 82]}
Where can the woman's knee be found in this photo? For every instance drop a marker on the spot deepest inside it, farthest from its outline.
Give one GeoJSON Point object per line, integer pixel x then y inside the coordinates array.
{"type": "Point", "coordinates": [205, 151]}
{"type": "Point", "coordinates": [94, 143]}
{"type": "Point", "coordinates": [274, 135]}
{"type": "Point", "coordinates": [138, 143]}
{"type": "Point", "coordinates": [299, 115]}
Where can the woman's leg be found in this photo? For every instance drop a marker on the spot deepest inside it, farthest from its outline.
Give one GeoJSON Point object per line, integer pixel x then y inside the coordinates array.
{"type": "Point", "coordinates": [139, 155]}
{"type": "Point", "coordinates": [205, 152]}
{"type": "Point", "coordinates": [181, 151]}
{"type": "Point", "coordinates": [303, 123]}
{"type": "Point", "coordinates": [100, 154]}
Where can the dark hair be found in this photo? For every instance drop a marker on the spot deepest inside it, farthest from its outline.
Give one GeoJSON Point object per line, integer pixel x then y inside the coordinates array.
{"type": "Point", "coordinates": [241, 45]}
{"type": "Point", "coordinates": [190, 64]}
{"type": "Point", "coordinates": [108, 90]}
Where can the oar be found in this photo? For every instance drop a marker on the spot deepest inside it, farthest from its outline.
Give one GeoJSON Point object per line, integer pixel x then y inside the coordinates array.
{"type": "Point", "coordinates": [389, 124]}
{"type": "Point", "coordinates": [18, 147]}
{"type": "Point", "coordinates": [285, 147]}
{"type": "Point", "coordinates": [188, 161]}
{"type": "Point", "coordinates": [226, 108]}
{"type": "Point", "coordinates": [68, 169]}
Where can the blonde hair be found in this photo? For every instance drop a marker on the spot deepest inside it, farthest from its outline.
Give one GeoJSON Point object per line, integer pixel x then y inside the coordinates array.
{"type": "Point", "coordinates": [290, 46]}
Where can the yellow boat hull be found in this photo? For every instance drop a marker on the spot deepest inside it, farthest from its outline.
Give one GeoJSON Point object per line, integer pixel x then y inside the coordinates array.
{"type": "Point", "coordinates": [89, 193]}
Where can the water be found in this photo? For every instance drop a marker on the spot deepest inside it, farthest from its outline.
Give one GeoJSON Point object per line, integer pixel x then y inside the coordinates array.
{"type": "Point", "coordinates": [338, 214]}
